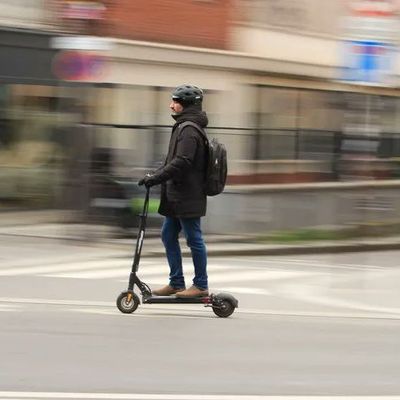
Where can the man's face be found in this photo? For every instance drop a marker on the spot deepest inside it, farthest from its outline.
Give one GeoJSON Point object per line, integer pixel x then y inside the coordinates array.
{"type": "Point", "coordinates": [176, 107]}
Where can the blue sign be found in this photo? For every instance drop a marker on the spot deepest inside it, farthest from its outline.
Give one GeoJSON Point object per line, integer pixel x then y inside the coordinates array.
{"type": "Point", "coordinates": [366, 61]}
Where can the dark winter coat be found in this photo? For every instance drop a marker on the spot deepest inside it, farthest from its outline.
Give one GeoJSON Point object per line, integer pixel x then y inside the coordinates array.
{"type": "Point", "coordinates": [183, 173]}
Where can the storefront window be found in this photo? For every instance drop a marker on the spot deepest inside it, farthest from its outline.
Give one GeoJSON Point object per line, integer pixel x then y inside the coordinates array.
{"type": "Point", "coordinates": [328, 127]}
{"type": "Point", "coordinates": [278, 118]}
{"type": "Point", "coordinates": [33, 145]}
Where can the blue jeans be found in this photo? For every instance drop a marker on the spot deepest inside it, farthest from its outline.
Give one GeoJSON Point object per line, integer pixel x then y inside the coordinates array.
{"type": "Point", "coordinates": [194, 239]}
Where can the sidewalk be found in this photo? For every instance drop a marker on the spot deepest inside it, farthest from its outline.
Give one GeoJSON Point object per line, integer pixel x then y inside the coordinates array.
{"type": "Point", "coordinates": [234, 246]}
{"type": "Point", "coordinates": [217, 245]}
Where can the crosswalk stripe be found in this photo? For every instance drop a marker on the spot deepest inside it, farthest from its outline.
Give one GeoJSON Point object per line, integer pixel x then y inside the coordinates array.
{"type": "Point", "coordinates": [75, 266]}
{"type": "Point", "coordinates": [9, 307]}
{"type": "Point", "coordinates": [152, 271]}
{"type": "Point", "coordinates": [242, 276]}
{"type": "Point", "coordinates": [268, 262]}
{"type": "Point", "coordinates": [159, 396]}
{"type": "Point", "coordinates": [66, 258]}
{"type": "Point", "coordinates": [254, 275]}
{"type": "Point", "coordinates": [244, 290]}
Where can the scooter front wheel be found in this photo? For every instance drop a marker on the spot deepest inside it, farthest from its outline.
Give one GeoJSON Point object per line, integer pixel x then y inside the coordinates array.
{"type": "Point", "coordinates": [128, 302]}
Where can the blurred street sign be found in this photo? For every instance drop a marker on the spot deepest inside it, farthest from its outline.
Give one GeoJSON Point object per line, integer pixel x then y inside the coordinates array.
{"type": "Point", "coordinates": [81, 58]}
{"type": "Point", "coordinates": [368, 51]}
{"type": "Point", "coordinates": [373, 8]}
{"type": "Point", "coordinates": [78, 65]}
{"type": "Point", "coordinates": [367, 61]}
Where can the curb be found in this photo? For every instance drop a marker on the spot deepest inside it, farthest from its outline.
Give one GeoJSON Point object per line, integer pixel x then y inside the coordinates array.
{"type": "Point", "coordinates": [224, 249]}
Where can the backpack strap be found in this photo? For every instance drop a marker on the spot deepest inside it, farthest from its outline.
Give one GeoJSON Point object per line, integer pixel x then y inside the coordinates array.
{"type": "Point", "coordinates": [174, 139]}
{"type": "Point", "coordinates": [202, 133]}
{"type": "Point", "coordinates": [196, 126]}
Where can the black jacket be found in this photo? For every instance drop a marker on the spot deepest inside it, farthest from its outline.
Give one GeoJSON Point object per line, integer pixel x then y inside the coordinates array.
{"type": "Point", "coordinates": [183, 173]}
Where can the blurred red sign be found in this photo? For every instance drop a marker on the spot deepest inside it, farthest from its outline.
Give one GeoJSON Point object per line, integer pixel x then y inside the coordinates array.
{"type": "Point", "coordinates": [373, 8]}
{"type": "Point", "coordinates": [78, 65]}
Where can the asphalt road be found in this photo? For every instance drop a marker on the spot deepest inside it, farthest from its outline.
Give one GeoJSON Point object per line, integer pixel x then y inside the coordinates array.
{"type": "Point", "coordinates": [306, 325]}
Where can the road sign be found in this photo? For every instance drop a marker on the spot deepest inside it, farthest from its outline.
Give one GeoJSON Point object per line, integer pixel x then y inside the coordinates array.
{"type": "Point", "coordinates": [78, 65]}
{"type": "Point", "coordinates": [368, 62]}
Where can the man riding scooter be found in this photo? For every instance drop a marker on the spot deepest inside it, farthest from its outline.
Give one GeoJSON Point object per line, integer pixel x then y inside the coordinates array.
{"type": "Point", "coordinates": [183, 199]}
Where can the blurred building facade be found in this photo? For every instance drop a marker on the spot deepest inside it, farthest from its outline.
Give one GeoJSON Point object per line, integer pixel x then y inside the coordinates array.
{"type": "Point", "coordinates": [193, 23]}
{"type": "Point", "coordinates": [271, 72]}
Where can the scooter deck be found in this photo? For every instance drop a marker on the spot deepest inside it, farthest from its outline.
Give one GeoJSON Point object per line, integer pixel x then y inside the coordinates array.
{"type": "Point", "coordinates": [176, 300]}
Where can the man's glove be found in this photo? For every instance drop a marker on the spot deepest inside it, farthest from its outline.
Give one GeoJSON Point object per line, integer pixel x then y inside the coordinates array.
{"type": "Point", "coordinates": [150, 180]}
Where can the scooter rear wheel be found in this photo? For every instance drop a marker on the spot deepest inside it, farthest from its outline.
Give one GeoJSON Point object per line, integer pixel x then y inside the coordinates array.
{"type": "Point", "coordinates": [127, 302]}
{"type": "Point", "coordinates": [224, 309]}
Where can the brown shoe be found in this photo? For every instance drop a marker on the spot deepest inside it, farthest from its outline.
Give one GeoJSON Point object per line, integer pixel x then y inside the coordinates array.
{"type": "Point", "coordinates": [167, 291]}
{"type": "Point", "coordinates": [193, 291]}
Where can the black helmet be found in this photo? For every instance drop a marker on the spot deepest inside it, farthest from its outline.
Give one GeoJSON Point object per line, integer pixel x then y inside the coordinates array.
{"type": "Point", "coordinates": [187, 94]}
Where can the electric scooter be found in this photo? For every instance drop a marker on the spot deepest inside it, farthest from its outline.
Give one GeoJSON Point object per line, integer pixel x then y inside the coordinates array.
{"type": "Point", "coordinates": [223, 304]}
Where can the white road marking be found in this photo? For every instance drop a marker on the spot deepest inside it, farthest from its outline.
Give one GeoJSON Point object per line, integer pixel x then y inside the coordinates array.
{"type": "Point", "coordinates": [55, 302]}
{"type": "Point", "coordinates": [151, 313]}
{"type": "Point", "coordinates": [269, 262]}
{"type": "Point", "coordinates": [242, 276]}
{"type": "Point", "coordinates": [117, 267]}
{"type": "Point", "coordinates": [75, 266]}
{"type": "Point", "coordinates": [149, 396]}
{"type": "Point", "coordinates": [154, 272]}
{"type": "Point", "coordinates": [256, 275]}
{"type": "Point", "coordinates": [244, 290]}
{"type": "Point", "coordinates": [161, 270]}
{"type": "Point", "coordinates": [104, 308]}
{"type": "Point", "coordinates": [304, 294]}
{"type": "Point", "coordinates": [222, 274]}
{"type": "Point", "coordinates": [66, 258]}
{"type": "Point", "coordinates": [189, 311]}
{"type": "Point", "coordinates": [10, 307]}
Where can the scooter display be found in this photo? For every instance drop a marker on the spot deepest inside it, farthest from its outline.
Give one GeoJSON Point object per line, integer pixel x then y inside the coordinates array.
{"type": "Point", "coordinates": [223, 304]}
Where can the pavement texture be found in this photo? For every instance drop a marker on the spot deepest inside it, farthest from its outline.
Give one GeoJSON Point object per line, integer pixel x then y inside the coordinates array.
{"type": "Point", "coordinates": [310, 325]}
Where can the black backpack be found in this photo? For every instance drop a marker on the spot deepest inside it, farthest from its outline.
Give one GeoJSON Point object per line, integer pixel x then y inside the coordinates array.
{"type": "Point", "coordinates": [217, 162]}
